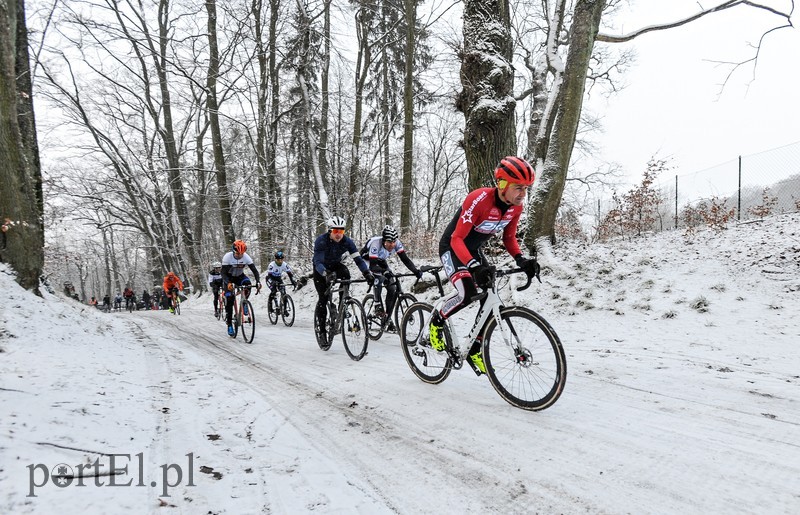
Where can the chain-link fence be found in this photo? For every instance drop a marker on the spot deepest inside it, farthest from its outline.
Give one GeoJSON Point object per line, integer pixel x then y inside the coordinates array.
{"type": "Point", "coordinates": [748, 187]}
{"type": "Point", "coordinates": [753, 186]}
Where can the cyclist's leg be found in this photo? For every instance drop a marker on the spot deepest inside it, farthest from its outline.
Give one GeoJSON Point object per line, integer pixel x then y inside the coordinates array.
{"type": "Point", "coordinates": [342, 272]}
{"type": "Point", "coordinates": [391, 295]}
{"type": "Point", "coordinates": [321, 311]}
{"type": "Point", "coordinates": [463, 283]}
{"type": "Point", "coordinates": [377, 290]}
{"type": "Point", "coordinates": [229, 302]}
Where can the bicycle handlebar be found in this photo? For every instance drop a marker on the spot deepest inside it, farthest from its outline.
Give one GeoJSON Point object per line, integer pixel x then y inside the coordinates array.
{"type": "Point", "coordinates": [501, 273]}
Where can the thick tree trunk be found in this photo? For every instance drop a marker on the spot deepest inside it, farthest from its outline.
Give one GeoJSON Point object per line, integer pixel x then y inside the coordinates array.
{"type": "Point", "coordinates": [551, 179]}
{"type": "Point", "coordinates": [408, 116]}
{"type": "Point", "coordinates": [212, 107]}
{"type": "Point", "coordinates": [21, 230]}
{"type": "Point", "coordinates": [487, 97]}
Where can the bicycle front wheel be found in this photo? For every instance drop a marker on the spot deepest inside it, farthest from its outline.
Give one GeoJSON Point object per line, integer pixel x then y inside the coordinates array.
{"type": "Point", "coordinates": [429, 365]}
{"type": "Point", "coordinates": [374, 322]}
{"type": "Point", "coordinates": [325, 338]}
{"type": "Point", "coordinates": [404, 301]}
{"type": "Point", "coordinates": [177, 307]}
{"type": "Point", "coordinates": [530, 370]}
{"type": "Point", "coordinates": [354, 329]}
{"type": "Point", "coordinates": [288, 311]}
{"type": "Point", "coordinates": [272, 310]}
{"type": "Point", "coordinates": [248, 321]}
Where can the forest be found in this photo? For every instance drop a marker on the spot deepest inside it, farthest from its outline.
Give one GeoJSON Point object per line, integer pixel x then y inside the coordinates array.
{"type": "Point", "coordinates": [165, 129]}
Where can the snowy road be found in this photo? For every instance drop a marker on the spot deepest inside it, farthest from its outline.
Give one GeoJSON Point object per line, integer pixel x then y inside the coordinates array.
{"type": "Point", "coordinates": [683, 396]}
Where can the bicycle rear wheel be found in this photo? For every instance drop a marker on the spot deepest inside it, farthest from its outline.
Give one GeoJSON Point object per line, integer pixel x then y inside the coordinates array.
{"type": "Point", "coordinates": [325, 340]}
{"type": "Point", "coordinates": [530, 371]}
{"type": "Point", "coordinates": [272, 310]}
{"type": "Point", "coordinates": [248, 321]}
{"type": "Point", "coordinates": [429, 365]}
{"type": "Point", "coordinates": [354, 329]}
{"type": "Point", "coordinates": [374, 322]}
{"type": "Point", "coordinates": [404, 301]}
{"type": "Point", "coordinates": [287, 312]}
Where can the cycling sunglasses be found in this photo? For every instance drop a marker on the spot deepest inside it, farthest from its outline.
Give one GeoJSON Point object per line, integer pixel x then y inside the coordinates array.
{"type": "Point", "coordinates": [337, 231]}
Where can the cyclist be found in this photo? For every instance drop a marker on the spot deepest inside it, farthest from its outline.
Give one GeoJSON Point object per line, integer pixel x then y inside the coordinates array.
{"type": "Point", "coordinates": [485, 212]}
{"type": "Point", "coordinates": [129, 296]}
{"type": "Point", "coordinates": [275, 272]}
{"type": "Point", "coordinates": [215, 282]}
{"type": "Point", "coordinates": [172, 284]}
{"type": "Point", "coordinates": [233, 264]}
{"type": "Point", "coordinates": [146, 299]}
{"type": "Point", "coordinates": [117, 301]}
{"type": "Point", "coordinates": [327, 262]}
{"type": "Point", "coordinates": [378, 250]}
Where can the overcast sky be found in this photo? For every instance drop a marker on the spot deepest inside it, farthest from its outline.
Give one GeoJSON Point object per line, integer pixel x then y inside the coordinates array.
{"type": "Point", "coordinates": [674, 104]}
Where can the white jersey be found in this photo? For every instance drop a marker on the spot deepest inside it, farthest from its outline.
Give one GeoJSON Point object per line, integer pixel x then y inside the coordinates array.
{"type": "Point", "coordinates": [237, 265]}
{"type": "Point", "coordinates": [275, 270]}
{"type": "Point", "coordinates": [214, 277]}
{"type": "Point", "coordinates": [378, 251]}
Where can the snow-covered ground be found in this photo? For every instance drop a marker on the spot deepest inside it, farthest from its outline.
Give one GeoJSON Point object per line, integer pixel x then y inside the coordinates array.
{"type": "Point", "coordinates": [682, 397]}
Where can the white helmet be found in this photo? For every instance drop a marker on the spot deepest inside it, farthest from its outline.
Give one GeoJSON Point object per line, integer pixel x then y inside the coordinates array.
{"type": "Point", "coordinates": [216, 264]}
{"type": "Point", "coordinates": [336, 222]}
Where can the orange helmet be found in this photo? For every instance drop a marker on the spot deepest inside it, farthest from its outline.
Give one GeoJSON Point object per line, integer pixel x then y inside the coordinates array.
{"type": "Point", "coordinates": [170, 274]}
{"type": "Point", "coordinates": [239, 247]}
{"type": "Point", "coordinates": [516, 170]}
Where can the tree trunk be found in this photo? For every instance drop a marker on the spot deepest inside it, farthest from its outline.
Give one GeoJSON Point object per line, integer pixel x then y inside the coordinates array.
{"type": "Point", "coordinates": [265, 229]}
{"type": "Point", "coordinates": [21, 216]}
{"type": "Point", "coordinates": [551, 179]}
{"type": "Point", "coordinates": [216, 135]}
{"type": "Point", "coordinates": [408, 116]}
{"type": "Point", "coordinates": [487, 97]}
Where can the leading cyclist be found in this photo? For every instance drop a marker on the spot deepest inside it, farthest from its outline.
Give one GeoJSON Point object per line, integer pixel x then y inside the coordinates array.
{"type": "Point", "coordinates": [233, 264]}
{"type": "Point", "coordinates": [485, 212]}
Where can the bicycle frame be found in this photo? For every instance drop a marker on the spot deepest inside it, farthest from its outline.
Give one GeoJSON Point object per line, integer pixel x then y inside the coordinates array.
{"type": "Point", "coordinates": [492, 304]}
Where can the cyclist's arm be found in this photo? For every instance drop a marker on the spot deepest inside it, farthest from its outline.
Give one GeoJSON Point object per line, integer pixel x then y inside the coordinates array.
{"type": "Point", "coordinates": [510, 237]}
{"type": "Point", "coordinates": [353, 252]}
{"type": "Point", "coordinates": [253, 269]}
{"type": "Point", "coordinates": [319, 254]}
{"type": "Point", "coordinates": [471, 215]}
{"type": "Point", "coordinates": [404, 257]}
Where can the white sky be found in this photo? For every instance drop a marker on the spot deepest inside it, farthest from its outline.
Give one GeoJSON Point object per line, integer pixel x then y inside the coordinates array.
{"type": "Point", "coordinates": [674, 105]}
{"type": "Point", "coordinates": [666, 409]}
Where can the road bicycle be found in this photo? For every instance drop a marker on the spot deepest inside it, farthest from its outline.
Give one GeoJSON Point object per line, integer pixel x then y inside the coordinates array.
{"type": "Point", "coordinates": [377, 323]}
{"type": "Point", "coordinates": [175, 302]}
{"type": "Point", "coordinates": [347, 318]}
{"type": "Point", "coordinates": [244, 318]}
{"type": "Point", "coordinates": [131, 304]}
{"type": "Point", "coordinates": [523, 356]}
{"type": "Point", "coordinates": [280, 303]}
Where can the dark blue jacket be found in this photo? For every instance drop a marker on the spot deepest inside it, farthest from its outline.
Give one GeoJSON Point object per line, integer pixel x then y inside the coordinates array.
{"type": "Point", "coordinates": [328, 252]}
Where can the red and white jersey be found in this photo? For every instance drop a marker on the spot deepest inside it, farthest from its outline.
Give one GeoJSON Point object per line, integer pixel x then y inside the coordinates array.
{"type": "Point", "coordinates": [481, 215]}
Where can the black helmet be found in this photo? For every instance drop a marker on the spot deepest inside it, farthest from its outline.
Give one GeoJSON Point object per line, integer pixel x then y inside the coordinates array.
{"type": "Point", "coordinates": [389, 233]}
{"type": "Point", "coordinates": [279, 254]}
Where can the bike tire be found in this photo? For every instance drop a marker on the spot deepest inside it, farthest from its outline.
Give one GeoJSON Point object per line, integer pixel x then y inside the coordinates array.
{"type": "Point", "coordinates": [531, 373]}
{"type": "Point", "coordinates": [236, 321]}
{"type": "Point", "coordinates": [177, 307]}
{"type": "Point", "coordinates": [287, 313]}
{"type": "Point", "coordinates": [325, 343]}
{"type": "Point", "coordinates": [248, 322]}
{"type": "Point", "coordinates": [404, 301]}
{"type": "Point", "coordinates": [427, 364]}
{"type": "Point", "coordinates": [374, 322]}
{"type": "Point", "coordinates": [354, 329]}
{"type": "Point", "coordinates": [272, 310]}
